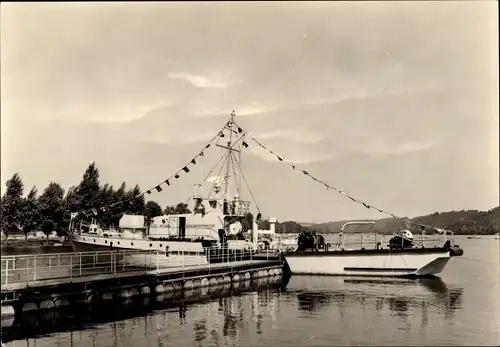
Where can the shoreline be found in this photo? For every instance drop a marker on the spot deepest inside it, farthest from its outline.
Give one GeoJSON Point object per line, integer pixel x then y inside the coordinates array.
{"type": "Point", "coordinates": [33, 244]}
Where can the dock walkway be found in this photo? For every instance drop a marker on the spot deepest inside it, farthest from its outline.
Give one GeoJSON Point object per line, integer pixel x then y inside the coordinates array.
{"type": "Point", "coordinates": [43, 281]}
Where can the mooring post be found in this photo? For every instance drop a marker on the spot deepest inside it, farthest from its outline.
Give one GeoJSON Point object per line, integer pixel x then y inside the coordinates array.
{"type": "Point", "coordinates": [34, 267]}
{"type": "Point", "coordinates": [26, 268]}
{"type": "Point", "coordinates": [6, 271]}
{"type": "Point", "coordinates": [71, 267]}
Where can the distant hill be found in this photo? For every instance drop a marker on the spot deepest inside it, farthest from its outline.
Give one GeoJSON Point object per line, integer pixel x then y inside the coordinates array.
{"type": "Point", "coordinates": [460, 222]}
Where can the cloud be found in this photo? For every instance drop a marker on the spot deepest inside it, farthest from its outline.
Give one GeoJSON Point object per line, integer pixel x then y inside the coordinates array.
{"type": "Point", "coordinates": [180, 139]}
{"type": "Point", "coordinates": [295, 135]}
{"type": "Point", "coordinates": [299, 159]}
{"type": "Point", "coordinates": [409, 147]}
{"type": "Point", "coordinates": [383, 148]}
{"type": "Point", "coordinates": [199, 81]}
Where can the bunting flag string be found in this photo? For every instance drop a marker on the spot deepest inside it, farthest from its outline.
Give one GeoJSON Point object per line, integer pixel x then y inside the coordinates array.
{"type": "Point", "coordinates": [159, 187]}
{"type": "Point", "coordinates": [341, 192]}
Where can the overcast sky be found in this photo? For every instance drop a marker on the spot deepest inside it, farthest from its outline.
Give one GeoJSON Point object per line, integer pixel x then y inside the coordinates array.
{"type": "Point", "coordinates": [395, 103]}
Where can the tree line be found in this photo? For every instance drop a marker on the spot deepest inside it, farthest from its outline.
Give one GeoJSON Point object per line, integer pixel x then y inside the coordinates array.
{"type": "Point", "coordinates": [51, 210]}
{"type": "Point", "coordinates": [465, 222]}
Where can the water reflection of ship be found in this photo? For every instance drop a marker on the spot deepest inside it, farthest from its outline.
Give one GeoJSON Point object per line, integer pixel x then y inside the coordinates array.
{"type": "Point", "coordinates": [214, 312]}
{"type": "Point", "coordinates": [402, 297]}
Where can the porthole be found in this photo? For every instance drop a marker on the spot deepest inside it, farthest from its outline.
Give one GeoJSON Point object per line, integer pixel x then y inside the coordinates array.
{"type": "Point", "coordinates": [131, 243]}
{"type": "Point", "coordinates": [84, 239]}
{"type": "Point", "coordinates": [94, 240]}
{"type": "Point", "coordinates": [118, 242]}
{"type": "Point", "coordinates": [105, 241]}
{"type": "Point", "coordinates": [160, 244]}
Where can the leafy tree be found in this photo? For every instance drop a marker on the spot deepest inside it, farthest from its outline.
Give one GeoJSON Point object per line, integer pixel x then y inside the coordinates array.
{"type": "Point", "coordinates": [105, 198]}
{"type": "Point", "coordinates": [264, 224]}
{"type": "Point", "coordinates": [134, 201]}
{"type": "Point", "coordinates": [247, 222]}
{"type": "Point", "coordinates": [30, 215]}
{"type": "Point", "coordinates": [181, 208]}
{"type": "Point", "coordinates": [12, 204]}
{"type": "Point", "coordinates": [169, 210]}
{"type": "Point", "coordinates": [88, 189]}
{"type": "Point", "coordinates": [152, 209]}
{"type": "Point", "coordinates": [117, 210]}
{"type": "Point", "coordinates": [51, 207]}
{"type": "Point", "coordinates": [70, 205]}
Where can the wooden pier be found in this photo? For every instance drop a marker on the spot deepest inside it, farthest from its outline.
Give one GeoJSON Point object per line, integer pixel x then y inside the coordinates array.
{"type": "Point", "coordinates": [48, 281]}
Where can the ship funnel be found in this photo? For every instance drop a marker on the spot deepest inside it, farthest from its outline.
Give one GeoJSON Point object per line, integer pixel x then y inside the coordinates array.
{"type": "Point", "coordinates": [255, 229]}
{"type": "Point", "coordinates": [272, 224]}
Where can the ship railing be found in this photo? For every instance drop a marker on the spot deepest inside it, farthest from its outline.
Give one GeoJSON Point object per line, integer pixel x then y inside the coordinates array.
{"type": "Point", "coordinates": [165, 237]}
{"type": "Point", "coordinates": [374, 241]}
{"type": "Point", "coordinates": [418, 240]}
{"type": "Point", "coordinates": [29, 268]}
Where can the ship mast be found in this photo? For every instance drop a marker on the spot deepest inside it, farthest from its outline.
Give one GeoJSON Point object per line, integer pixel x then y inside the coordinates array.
{"type": "Point", "coordinates": [231, 157]}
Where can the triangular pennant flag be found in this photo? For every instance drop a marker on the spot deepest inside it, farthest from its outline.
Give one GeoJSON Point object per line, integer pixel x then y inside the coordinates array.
{"type": "Point", "coordinates": [245, 144]}
{"type": "Point", "coordinates": [279, 158]}
{"type": "Point", "coordinates": [185, 169]}
{"type": "Point", "coordinates": [305, 172]}
{"type": "Point", "coordinates": [365, 205]}
{"type": "Point", "coordinates": [201, 154]}
{"type": "Point", "coordinates": [341, 192]}
{"type": "Point", "coordinates": [207, 146]}
{"type": "Point", "coordinates": [221, 134]}
{"type": "Point", "coordinates": [149, 192]}
{"type": "Point", "coordinates": [193, 162]}
{"type": "Point", "coordinates": [350, 197]}
{"type": "Point", "coordinates": [293, 167]}
{"type": "Point", "coordinates": [167, 182]}
{"type": "Point", "coordinates": [158, 188]}
{"type": "Point", "coordinates": [240, 130]}
{"type": "Point", "coordinates": [176, 176]}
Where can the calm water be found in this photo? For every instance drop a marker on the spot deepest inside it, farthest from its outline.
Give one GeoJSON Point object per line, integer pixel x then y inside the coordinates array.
{"type": "Point", "coordinates": [460, 308]}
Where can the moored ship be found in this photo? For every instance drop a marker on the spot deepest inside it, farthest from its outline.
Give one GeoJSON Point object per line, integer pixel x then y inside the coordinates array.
{"type": "Point", "coordinates": [220, 224]}
{"type": "Point", "coordinates": [403, 256]}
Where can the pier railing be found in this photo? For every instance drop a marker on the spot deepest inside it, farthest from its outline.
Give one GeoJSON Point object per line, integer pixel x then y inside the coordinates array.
{"type": "Point", "coordinates": [35, 267]}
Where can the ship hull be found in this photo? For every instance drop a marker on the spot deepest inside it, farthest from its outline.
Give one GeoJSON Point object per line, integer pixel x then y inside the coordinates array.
{"type": "Point", "coordinates": [377, 263]}
{"type": "Point", "coordinates": [163, 254]}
